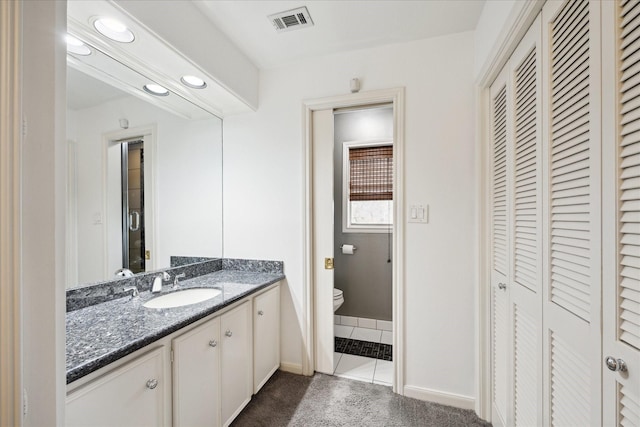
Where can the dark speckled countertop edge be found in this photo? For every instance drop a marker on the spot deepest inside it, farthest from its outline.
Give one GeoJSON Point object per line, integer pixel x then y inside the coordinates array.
{"type": "Point", "coordinates": [90, 365]}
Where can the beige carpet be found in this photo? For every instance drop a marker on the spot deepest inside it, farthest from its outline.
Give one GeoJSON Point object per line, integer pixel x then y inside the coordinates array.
{"type": "Point", "coordinates": [324, 400]}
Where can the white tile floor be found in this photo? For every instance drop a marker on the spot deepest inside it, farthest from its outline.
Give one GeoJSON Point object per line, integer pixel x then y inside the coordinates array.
{"type": "Point", "coordinates": [363, 368]}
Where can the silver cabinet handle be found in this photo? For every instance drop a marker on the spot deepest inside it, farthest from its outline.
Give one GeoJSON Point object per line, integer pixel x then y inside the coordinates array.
{"type": "Point", "coordinates": [615, 364]}
{"type": "Point", "coordinates": [151, 384]}
{"type": "Point", "coordinates": [213, 343]}
{"type": "Point", "coordinates": [502, 286]}
{"type": "Point", "coordinates": [228, 333]}
{"type": "Point", "coordinates": [260, 313]}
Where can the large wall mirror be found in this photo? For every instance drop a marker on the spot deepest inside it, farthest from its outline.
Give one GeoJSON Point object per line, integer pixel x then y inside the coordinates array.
{"type": "Point", "coordinates": [144, 173]}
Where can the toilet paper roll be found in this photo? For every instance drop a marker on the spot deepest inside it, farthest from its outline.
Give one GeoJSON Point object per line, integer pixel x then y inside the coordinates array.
{"type": "Point", "coordinates": [348, 249]}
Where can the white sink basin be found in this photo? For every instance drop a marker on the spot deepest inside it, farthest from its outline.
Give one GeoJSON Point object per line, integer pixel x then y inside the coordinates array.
{"type": "Point", "coordinates": [182, 298]}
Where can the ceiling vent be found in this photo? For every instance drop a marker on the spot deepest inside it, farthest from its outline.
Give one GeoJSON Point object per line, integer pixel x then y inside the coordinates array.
{"type": "Point", "coordinates": [291, 19]}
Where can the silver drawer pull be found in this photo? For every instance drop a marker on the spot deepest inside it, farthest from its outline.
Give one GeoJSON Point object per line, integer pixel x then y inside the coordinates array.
{"type": "Point", "coordinates": [228, 333]}
{"type": "Point", "coordinates": [213, 343]}
{"type": "Point", "coordinates": [151, 384]}
{"type": "Point", "coordinates": [260, 313]}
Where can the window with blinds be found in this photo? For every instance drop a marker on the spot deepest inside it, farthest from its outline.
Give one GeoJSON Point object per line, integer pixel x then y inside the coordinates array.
{"type": "Point", "coordinates": [368, 186]}
{"type": "Point", "coordinates": [371, 173]}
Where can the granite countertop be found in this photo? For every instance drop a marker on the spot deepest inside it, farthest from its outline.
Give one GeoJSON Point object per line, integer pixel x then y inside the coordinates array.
{"type": "Point", "coordinates": [100, 334]}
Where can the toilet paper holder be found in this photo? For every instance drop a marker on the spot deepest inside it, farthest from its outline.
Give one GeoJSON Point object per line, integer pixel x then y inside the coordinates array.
{"type": "Point", "coordinates": [354, 247]}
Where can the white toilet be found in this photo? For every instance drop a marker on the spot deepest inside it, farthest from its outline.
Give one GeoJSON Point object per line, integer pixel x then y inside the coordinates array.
{"type": "Point", "coordinates": [338, 299]}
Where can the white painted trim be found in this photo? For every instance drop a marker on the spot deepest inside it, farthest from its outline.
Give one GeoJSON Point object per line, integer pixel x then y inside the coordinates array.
{"type": "Point", "coordinates": [71, 258]}
{"type": "Point", "coordinates": [441, 397]}
{"type": "Point", "coordinates": [519, 21]}
{"type": "Point", "coordinates": [294, 368]}
{"type": "Point", "coordinates": [521, 18]}
{"type": "Point", "coordinates": [483, 251]}
{"type": "Point", "coordinates": [151, 221]}
{"type": "Point", "coordinates": [396, 96]}
{"type": "Point", "coordinates": [10, 222]}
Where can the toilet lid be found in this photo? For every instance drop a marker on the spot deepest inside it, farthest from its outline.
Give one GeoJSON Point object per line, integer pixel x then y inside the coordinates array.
{"type": "Point", "coordinates": [337, 293]}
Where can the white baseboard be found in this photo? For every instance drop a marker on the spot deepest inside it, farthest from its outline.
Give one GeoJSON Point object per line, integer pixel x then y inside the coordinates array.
{"type": "Point", "coordinates": [294, 368]}
{"type": "Point", "coordinates": [441, 397]}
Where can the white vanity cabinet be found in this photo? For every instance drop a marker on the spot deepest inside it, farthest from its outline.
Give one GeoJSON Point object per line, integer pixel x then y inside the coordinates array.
{"type": "Point", "coordinates": [130, 395]}
{"type": "Point", "coordinates": [212, 370]}
{"type": "Point", "coordinates": [201, 375]}
{"type": "Point", "coordinates": [196, 376]}
{"type": "Point", "coordinates": [236, 361]}
{"type": "Point", "coordinates": [266, 336]}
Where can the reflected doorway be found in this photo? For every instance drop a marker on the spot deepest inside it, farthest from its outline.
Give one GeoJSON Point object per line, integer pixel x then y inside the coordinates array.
{"type": "Point", "coordinates": [134, 253]}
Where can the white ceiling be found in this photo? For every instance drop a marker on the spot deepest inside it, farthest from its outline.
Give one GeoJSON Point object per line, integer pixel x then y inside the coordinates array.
{"type": "Point", "coordinates": [84, 91]}
{"type": "Point", "coordinates": [340, 25]}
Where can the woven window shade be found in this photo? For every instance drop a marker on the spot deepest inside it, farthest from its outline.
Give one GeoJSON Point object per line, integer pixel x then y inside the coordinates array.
{"type": "Point", "coordinates": [371, 173]}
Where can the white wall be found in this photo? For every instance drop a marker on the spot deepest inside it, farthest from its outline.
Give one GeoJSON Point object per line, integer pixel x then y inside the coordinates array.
{"type": "Point", "coordinates": [42, 211]}
{"type": "Point", "coordinates": [264, 180]}
{"type": "Point", "coordinates": [188, 183]}
{"type": "Point", "coordinates": [495, 15]}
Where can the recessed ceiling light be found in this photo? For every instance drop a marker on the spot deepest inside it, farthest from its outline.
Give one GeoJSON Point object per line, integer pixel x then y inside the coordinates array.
{"type": "Point", "coordinates": [113, 29]}
{"type": "Point", "coordinates": [193, 82]}
{"type": "Point", "coordinates": [155, 89]}
{"type": "Point", "coordinates": [76, 46]}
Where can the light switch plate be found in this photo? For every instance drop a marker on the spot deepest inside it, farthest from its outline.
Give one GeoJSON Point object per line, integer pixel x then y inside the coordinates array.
{"type": "Point", "coordinates": [419, 214]}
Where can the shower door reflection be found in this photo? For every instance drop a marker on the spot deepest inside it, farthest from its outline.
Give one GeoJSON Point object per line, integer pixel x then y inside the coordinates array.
{"type": "Point", "coordinates": [133, 218]}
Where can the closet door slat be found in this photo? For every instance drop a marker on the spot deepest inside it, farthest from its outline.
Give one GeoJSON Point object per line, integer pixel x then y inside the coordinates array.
{"type": "Point", "coordinates": [570, 159]}
{"type": "Point", "coordinates": [629, 173]}
{"type": "Point", "coordinates": [499, 201]}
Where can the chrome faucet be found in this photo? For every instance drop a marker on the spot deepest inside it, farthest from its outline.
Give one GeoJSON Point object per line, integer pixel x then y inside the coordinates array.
{"type": "Point", "coordinates": [131, 288]}
{"type": "Point", "coordinates": [157, 281]}
{"type": "Point", "coordinates": [175, 279]}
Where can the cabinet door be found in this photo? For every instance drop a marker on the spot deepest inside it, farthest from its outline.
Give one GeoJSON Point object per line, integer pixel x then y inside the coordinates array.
{"type": "Point", "coordinates": [572, 252]}
{"type": "Point", "coordinates": [516, 236]}
{"type": "Point", "coordinates": [131, 395]}
{"type": "Point", "coordinates": [237, 363]}
{"type": "Point", "coordinates": [266, 336]}
{"type": "Point", "coordinates": [621, 214]}
{"type": "Point", "coordinates": [196, 376]}
{"type": "Point", "coordinates": [525, 280]}
{"type": "Point", "coordinates": [500, 170]}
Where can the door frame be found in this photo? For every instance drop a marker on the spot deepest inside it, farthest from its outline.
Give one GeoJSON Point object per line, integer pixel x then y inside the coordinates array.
{"type": "Point", "coordinates": [396, 97]}
{"type": "Point", "coordinates": [516, 26]}
{"type": "Point", "coordinates": [148, 134]}
{"type": "Point", "coordinates": [11, 133]}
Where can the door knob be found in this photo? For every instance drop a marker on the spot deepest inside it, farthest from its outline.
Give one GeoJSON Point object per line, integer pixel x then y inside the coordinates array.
{"type": "Point", "coordinates": [228, 333]}
{"type": "Point", "coordinates": [151, 384]}
{"type": "Point", "coordinates": [260, 313]}
{"type": "Point", "coordinates": [502, 286]}
{"type": "Point", "coordinates": [213, 343]}
{"type": "Point", "coordinates": [615, 364]}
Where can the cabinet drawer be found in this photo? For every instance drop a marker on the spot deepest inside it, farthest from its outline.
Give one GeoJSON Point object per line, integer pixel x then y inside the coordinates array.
{"type": "Point", "coordinates": [130, 395]}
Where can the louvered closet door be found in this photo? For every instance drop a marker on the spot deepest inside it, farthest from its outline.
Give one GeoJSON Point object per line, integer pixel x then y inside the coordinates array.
{"type": "Point", "coordinates": [525, 281]}
{"type": "Point", "coordinates": [621, 221]}
{"type": "Point", "coordinates": [572, 247]}
{"type": "Point", "coordinates": [500, 224]}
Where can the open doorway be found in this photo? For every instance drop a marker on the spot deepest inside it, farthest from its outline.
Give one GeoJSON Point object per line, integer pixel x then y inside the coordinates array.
{"type": "Point", "coordinates": [363, 233]}
{"type": "Point", "coordinates": [133, 207]}
{"type": "Point", "coordinates": [322, 247]}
